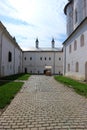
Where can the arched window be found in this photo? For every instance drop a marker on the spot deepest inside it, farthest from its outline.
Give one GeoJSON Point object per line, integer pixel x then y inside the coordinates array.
{"type": "Point", "coordinates": [68, 67]}
{"type": "Point", "coordinates": [82, 40]}
{"type": "Point", "coordinates": [9, 56]}
{"type": "Point", "coordinates": [77, 67]}
{"type": "Point", "coordinates": [75, 45]}
{"type": "Point", "coordinates": [84, 8]}
{"type": "Point", "coordinates": [70, 47]}
{"type": "Point", "coordinates": [76, 16]}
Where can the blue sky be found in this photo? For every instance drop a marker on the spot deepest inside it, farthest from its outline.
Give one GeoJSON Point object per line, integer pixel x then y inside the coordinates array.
{"type": "Point", "coordinates": [29, 19]}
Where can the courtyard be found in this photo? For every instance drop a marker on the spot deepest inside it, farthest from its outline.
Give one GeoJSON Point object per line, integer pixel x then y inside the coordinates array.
{"type": "Point", "coordinates": [45, 104]}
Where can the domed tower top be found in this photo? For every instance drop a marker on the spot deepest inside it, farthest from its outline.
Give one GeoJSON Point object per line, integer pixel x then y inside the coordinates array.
{"type": "Point", "coordinates": [65, 9]}
{"type": "Point", "coordinates": [53, 43]}
{"type": "Point", "coordinates": [68, 10]}
{"type": "Point", "coordinates": [37, 42]}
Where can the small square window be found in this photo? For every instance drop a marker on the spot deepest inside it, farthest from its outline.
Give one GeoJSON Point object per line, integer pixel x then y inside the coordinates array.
{"type": "Point", "coordinates": [30, 58]}
{"type": "Point", "coordinates": [49, 58]}
{"type": "Point", "coordinates": [25, 58]}
{"type": "Point", "coordinates": [59, 58]}
{"type": "Point", "coordinates": [40, 58]}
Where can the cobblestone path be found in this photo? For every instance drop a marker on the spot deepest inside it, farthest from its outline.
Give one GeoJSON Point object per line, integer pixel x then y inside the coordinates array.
{"type": "Point", "coordinates": [44, 104]}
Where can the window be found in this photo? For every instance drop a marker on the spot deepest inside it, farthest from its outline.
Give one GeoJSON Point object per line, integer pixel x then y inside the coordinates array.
{"type": "Point", "coordinates": [49, 58]}
{"type": "Point", "coordinates": [84, 8]}
{"type": "Point", "coordinates": [25, 58]}
{"type": "Point", "coordinates": [76, 14]}
{"type": "Point", "coordinates": [77, 67]}
{"type": "Point", "coordinates": [75, 45]}
{"type": "Point", "coordinates": [40, 58]}
{"type": "Point", "coordinates": [68, 67]}
{"type": "Point", "coordinates": [30, 58]}
{"type": "Point", "coordinates": [9, 56]}
{"type": "Point", "coordinates": [31, 71]}
{"type": "Point", "coordinates": [70, 49]}
{"type": "Point", "coordinates": [45, 58]}
{"type": "Point", "coordinates": [59, 58]}
{"type": "Point", "coordinates": [82, 40]}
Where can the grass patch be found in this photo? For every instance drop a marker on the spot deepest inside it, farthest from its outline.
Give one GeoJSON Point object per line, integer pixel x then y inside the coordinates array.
{"type": "Point", "coordinates": [80, 88]}
{"type": "Point", "coordinates": [8, 91]}
{"type": "Point", "coordinates": [16, 77]}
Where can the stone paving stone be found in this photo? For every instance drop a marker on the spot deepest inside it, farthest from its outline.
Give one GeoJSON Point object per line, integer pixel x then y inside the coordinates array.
{"type": "Point", "coordinates": [44, 104]}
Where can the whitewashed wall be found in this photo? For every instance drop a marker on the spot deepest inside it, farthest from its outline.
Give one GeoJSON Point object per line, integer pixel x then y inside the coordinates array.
{"type": "Point", "coordinates": [38, 66]}
{"type": "Point", "coordinates": [7, 44]}
{"type": "Point", "coordinates": [78, 55]}
{"type": "Point", "coordinates": [76, 5]}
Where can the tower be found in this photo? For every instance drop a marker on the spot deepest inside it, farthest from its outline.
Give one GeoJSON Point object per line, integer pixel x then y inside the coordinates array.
{"type": "Point", "coordinates": [53, 43]}
{"type": "Point", "coordinates": [76, 12]}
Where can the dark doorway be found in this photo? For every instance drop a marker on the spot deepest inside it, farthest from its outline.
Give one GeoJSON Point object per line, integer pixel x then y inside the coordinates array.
{"type": "Point", "coordinates": [25, 70]}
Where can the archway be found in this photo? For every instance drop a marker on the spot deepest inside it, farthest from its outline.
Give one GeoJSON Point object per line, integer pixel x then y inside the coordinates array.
{"type": "Point", "coordinates": [25, 70]}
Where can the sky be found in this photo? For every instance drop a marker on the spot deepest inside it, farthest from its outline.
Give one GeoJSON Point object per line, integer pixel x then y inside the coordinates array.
{"type": "Point", "coordinates": [27, 20]}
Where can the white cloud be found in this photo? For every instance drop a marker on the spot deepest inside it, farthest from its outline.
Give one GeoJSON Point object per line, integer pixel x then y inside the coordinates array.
{"type": "Point", "coordinates": [45, 20]}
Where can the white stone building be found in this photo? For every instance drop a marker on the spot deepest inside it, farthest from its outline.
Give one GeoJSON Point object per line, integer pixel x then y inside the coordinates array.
{"type": "Point", "coordinates": [75, 46]}
{"type": "Point", "coordinates": [13, 60]}
{"type": "Point", "coordinates": [10, 54]}
{"type": "Point", "coordinates": [37, 60]}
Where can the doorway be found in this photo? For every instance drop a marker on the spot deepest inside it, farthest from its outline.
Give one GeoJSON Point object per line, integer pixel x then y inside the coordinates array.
{"type": "Point", "coordinates": [25, 70]}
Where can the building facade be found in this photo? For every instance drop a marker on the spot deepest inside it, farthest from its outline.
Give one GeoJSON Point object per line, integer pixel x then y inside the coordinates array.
{"type": "Point", "coordinates": [13, 60]}
{"type": "Point", "coordinates": [36, 61]}
{"type": "Point", "coordinates": [75, 46]}
{"type": "Point", "coordinates": [10, 54]}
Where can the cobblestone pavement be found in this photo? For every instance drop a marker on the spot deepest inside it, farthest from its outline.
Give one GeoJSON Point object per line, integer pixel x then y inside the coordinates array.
{"type": "Point", "coordinates": [44, 104]}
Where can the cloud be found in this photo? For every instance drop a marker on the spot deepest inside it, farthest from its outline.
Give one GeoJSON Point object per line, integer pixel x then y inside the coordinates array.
{"type": "Point", "coordinates": [28, 19]}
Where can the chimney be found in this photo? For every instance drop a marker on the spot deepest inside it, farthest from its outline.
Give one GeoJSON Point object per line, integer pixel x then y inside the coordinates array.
{"type": "Point", "coordinates": [53, 43]}
{"type": "Point", "coordinates": [37, 43]}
